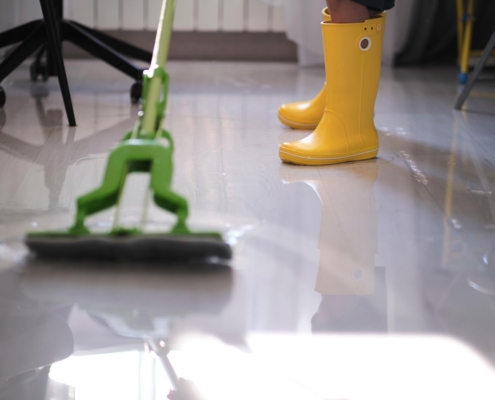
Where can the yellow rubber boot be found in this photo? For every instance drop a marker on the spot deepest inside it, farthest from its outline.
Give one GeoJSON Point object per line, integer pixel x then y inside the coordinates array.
{"type": "Point", "coordinates": [347, 131]}
{"type": "Point", "coordinates": [305, 114]}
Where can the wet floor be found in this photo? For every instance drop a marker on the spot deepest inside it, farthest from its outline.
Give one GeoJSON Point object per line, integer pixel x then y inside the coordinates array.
{"type": "Point", "coordinates": [370, 280]}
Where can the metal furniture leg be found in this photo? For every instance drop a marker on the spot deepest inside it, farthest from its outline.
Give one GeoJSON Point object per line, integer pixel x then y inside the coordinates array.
{"type": "Point", "coordinates": [476, 73]}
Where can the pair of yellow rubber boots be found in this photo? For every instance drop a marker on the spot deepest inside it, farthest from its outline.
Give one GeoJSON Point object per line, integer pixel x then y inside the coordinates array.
{"type": "Point", "coordinates": [343, 111]}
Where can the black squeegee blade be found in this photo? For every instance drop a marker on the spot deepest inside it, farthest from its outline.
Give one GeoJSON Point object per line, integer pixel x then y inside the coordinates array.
{"type": "Point", "coordinates": [152, 248]}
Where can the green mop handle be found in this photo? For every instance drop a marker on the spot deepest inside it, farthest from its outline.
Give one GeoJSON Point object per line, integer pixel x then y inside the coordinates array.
{"type": "Point", "coordinates": [159, 61]}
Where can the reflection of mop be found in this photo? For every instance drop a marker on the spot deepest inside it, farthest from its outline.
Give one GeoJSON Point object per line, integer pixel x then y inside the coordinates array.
{"type": "Point", "coordinates": [31, 339]}
{"type": "Point", "coordinates": [135, 305]}
{"type": "Point", "coordinates": [140, 151]}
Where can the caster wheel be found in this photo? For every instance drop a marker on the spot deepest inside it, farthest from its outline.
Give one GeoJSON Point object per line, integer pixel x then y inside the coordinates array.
{"type": "Point", "coordinates": [136, 90]}
{"type": "Point", "coordinates": [38, 69]}
{"type": "Point", "coordinates": [3, 97]}
{"type": "Point", "coordinates": [463, 78]}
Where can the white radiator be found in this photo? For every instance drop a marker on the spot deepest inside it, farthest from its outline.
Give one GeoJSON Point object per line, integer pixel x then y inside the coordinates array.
{"type": "Point", "coordinates": [191, 15]}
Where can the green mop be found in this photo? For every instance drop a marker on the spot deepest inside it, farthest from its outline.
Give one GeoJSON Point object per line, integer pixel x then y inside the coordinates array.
{"type": "Point", "coordinates": [139, 151]}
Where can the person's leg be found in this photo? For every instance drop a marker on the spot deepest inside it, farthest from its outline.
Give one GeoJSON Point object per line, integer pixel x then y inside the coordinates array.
{"type": "Point", "coordinates": [347, 11]}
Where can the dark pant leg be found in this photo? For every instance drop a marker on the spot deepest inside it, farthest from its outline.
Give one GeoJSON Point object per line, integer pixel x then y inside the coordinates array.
{"type": "Point", "coordinates": [377, 5]}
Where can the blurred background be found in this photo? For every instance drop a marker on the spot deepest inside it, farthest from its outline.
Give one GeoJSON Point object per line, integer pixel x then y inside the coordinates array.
{"type": "Point", "coordinates": [419, 31]}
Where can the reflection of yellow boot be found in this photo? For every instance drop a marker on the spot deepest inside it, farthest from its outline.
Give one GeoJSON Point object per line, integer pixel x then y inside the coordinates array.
{"type": "Point", "coordinates": [347, 131]}
{"type": "Point", "coordinates": [353, 289]}
{"type": "Point", "coordinates": [348, 237]}
{"type": "Point", "coordinates": [305, 114]}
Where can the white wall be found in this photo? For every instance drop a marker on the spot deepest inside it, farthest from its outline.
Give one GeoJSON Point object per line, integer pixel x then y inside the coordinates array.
{"type": "Point", "coordinates": [13, 12]}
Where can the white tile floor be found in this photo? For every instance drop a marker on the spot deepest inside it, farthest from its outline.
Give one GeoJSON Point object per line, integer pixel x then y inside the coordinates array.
{"type": "Point", "coordinates": [404, 244]}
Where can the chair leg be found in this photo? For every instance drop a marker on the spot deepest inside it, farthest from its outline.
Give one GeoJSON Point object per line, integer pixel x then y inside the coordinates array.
{"type": "Point", "coordinates": [476, 73]}
{"type": "Point", "coordinates": [100, 50]}
{"type": "Point", "coordinates": [117, 44]}
{"type": "Point", "coordinates": [18, 34]}
{"type": "Point", "coordinates": [22, 52]}
{"type": "Point", "coordinates": [54, 47]}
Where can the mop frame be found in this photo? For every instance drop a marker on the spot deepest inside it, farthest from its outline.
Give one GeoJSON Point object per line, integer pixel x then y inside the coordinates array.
{"type": "Point", "coordinates": [141, 151]}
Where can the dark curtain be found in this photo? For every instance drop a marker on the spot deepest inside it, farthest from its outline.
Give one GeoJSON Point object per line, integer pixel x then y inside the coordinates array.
{"type": "Point", "coordinates": [433, 35]}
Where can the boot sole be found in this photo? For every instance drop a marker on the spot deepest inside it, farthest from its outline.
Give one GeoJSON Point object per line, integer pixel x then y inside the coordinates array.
{"type": "Point", "coordinates": [301, 160]}
{"type": "Point", "coordinates": [296, 125]}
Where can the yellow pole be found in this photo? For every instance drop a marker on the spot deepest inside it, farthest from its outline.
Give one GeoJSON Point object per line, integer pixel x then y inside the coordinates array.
{"type": "Point", "coordinates": [460, 28]}
{"type": "Point", "coordinates": [468, 36]}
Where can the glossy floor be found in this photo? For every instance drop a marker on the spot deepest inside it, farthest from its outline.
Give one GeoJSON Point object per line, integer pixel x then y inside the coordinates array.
{"type": "Point", "coordinates": [371, 280]}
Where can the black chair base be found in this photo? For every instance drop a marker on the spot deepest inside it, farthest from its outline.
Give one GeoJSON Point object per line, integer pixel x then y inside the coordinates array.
{"type": "Point", "coordinates": [46, 36]}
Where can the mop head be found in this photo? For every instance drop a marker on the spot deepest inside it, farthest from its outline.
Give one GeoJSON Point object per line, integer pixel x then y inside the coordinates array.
{"type": "Point", "coordinates": [140, 151]}
{"type": "Point", "coordinates": [156, 248]}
